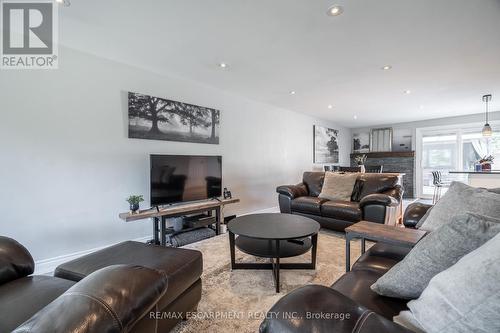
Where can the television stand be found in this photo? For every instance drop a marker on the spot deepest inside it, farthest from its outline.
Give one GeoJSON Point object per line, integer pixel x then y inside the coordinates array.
{"type": "Point", "coordinates": [161, 215]}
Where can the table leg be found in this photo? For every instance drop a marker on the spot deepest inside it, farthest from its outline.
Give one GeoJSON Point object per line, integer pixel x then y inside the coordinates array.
{"type": "Point", "coordinates": [277, 266]}
{"type": "Point", "coordinates": [163, 231]}
{"type": "Point", "coordinates": [347, 253]}
{"type": "Point", "coordinates": [231, 247]}
{"type": "Point", "coordinates": [156, 228]}
{"type": "Point", "coordinates": [363, 245]}
{"type": "Point", "coordinates": [217, 220]}
{"type": "Point", "coordinates": [314, 241]}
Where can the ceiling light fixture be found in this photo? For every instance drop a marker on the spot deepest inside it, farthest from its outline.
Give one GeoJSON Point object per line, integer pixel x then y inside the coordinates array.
{"type": "Point", "coordinates": [330, 106]}
{"type": "Point", "coordinates": [222, 65]}
{"type": "Point", "coordinates": [407, 92]}
{"type": "Point", "coordinates": [66, 3]}
{"type": "Point", "coordinates": [335, 10]}
{"type": "Point", "coordinates": [355, 117]}
{"type": "Point", "coordinates": [292, 92]}
{"type": "Point", "coordinates": [387, 67]}
{"type": "Point", "coordinates": [487, 131]}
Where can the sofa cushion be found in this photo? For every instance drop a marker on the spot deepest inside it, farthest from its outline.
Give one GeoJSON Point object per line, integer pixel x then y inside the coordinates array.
{"type": "Point", "coordinates": [356, 285]}
{"type": "Point", "coordinates": [356, 191]}
{"type": "Point", "coordinates": [381, 257]}
{"type": "Point", "coordinates": [459, 199]}
{"type": "Point", "coordinates": [310, 205]}
{"type": "Point", "coordinates": [342, 210]}
{"type": "Point", "coordinates": [388, 251]}
{"type": "Point", "coordinates": [15, 260]}
{"type": "Point", "coordinates": [314, 182]}
{"type": "Point", "coordinates": [112, 299]}
{"type": "Point", "coordinates": [298, 312]}
{"type": "Point", "coordinates": [183, 267]}
{"type": "Point", "coordinates": [376, 183]}
{"type": "Point", "coordinates": [338, 186]}
{"type": "Point", "coordinates": [22, 298]}
{"type": "Point", "coordinates": [434, 253]}
{"type": "Point", "coordinates": [476, 305]}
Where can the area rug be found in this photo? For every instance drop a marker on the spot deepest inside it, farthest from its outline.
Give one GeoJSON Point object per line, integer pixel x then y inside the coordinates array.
{"type": "Point", "coordinates": [237, 301]}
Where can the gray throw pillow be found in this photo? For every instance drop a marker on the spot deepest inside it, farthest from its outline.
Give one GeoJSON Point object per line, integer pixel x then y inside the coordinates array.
{"type": "Point", "coordinates": [459, 199]}
{"type": "Point", "coordinates": [338, 186]}
{"type": "Point", "coordinates": [463, 298]}
{"type": "Point", "coordinates": [434, 253]}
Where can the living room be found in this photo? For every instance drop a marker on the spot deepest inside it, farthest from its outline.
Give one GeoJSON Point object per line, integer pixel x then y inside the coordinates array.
{"type": "Point", "coordinates": [160, 158]}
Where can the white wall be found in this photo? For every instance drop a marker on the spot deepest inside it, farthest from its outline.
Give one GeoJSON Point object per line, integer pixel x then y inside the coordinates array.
{"type": "Point", "coordinates": [66, 164]}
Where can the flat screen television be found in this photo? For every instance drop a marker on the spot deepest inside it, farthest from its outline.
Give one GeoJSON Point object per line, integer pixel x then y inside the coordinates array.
{"type": "Point", "coordinates": [183, 178]}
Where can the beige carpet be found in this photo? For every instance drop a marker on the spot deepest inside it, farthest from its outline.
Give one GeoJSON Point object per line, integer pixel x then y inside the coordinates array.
{"type": "Point", "coordinates": [235, 301]}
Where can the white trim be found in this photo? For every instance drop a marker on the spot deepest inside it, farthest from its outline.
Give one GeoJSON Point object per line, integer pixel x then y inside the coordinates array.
{"type": "Point", "coordinates": [47, 266]}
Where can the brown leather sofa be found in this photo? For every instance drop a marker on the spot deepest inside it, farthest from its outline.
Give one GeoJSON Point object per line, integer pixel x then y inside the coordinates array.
{"type": "Point", "coordinates": [372, 195]}
{"type": "Point", "coordinates": [349, 305]}
{"type": "Point", "coordinates": [129, 287]}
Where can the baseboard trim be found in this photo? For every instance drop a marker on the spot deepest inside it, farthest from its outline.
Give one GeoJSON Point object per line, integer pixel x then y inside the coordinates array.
{"type": "Point", "coordinates": [47, 266]}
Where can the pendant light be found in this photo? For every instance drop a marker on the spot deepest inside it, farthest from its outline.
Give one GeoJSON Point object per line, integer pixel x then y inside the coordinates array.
{"type": "Point", "coordinates": [487, 131]}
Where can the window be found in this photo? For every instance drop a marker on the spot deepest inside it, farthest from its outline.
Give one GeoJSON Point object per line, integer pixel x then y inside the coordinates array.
{"type": "Point", "coordinates": [453, 149]}
{"type": "Point", "coordinates": [439, 153]}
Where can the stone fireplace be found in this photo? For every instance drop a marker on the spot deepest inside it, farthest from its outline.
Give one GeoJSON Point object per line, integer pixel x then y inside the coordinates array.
{"type": "Point", "coordinates": [398, 162]}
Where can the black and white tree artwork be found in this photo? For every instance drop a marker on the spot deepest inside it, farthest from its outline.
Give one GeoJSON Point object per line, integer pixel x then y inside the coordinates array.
{"type": "Point", "coordinates": [326, 145]}
{"type": "Point", "coordinates": [155, 118]}
{"type": "Point", "coordinates": [361, 142]}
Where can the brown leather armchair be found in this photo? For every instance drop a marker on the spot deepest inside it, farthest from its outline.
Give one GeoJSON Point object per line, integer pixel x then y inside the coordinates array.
{"type": "Point", "coordinates": [349, 305]}
{"type": "Point", "coordinates": [111, 298]}
{"type": "Point", "coordinates": [372, 196]}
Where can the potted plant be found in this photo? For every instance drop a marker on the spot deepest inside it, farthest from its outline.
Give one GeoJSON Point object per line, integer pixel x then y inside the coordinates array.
{"type": "Point", "coordinates": [486, 162]}
{"type": "Point", "coordinates": [360, 161]}
{"type": "Point", "coordinates": [134, 201]}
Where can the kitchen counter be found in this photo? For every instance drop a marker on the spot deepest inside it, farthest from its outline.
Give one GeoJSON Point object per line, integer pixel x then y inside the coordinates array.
{"type": "Point", "coordinates": [487, 179]}
{"type": "Point", "coordinates": [493, 172]}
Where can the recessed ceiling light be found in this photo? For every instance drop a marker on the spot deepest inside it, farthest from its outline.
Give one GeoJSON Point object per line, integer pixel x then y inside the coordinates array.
{"type": "Point", "coordinates": [407, 92]}
{"type": "Point", "coordinates": [386, 67]}
{"type": "Point", "coordinates": [222, 65]}
{"type": "Point", "coordinates": [292, 92]}
{"type": "Point", "coordinates": [355, 117]}
{"type": "Point", "coordinates": [330, 106]}
{"type": "Point", "coordinates": [335, 10]}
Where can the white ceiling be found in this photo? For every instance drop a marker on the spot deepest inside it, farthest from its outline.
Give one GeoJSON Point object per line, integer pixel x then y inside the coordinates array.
{"type": "Point", "coordinates": [447, 52]}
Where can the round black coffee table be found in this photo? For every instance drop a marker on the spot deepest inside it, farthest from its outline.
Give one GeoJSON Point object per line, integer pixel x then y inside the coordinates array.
{"type": "Point", "coordinates": [274, 236]}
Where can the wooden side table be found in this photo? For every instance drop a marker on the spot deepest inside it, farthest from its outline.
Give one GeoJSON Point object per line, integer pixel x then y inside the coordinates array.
{"type": "Point", "coordinates": [377, 232]}
{"type": "Point", "coordinates": [160, 215]}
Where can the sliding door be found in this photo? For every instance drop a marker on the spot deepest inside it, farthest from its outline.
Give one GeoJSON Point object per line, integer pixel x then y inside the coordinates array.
{"type": "Point", "coordinates": [439, 153]}
{"type": "Point", "coordinates": [449, 149]}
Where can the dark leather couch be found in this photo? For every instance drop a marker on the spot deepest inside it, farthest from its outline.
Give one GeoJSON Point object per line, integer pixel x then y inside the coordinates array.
{"type": "Point", "coordinates": [118, 289]}
{"type": "Point", "coordinates": [350, 303]}
{"type": "Point", "coordinates": [372, 195]}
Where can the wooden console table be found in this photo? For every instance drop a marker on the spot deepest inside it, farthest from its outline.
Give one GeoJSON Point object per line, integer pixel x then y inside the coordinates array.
{"type": "Point", "coordinates": [393, 235]}
{"type": "Point", "coordinates": [161, 215]}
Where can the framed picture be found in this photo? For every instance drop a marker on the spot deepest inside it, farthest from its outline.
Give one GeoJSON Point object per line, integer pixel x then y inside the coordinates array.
{"type": "Point", "coordinates": [381, 139]}
{"type": "Point", "coordinates": [361, 142]}
{"type": "Point", "coordinates": [155, 118]}
{"type": "Point", "coordinates": [326, 146]}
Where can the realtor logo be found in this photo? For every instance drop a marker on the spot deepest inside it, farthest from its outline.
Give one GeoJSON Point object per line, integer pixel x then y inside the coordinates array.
{"type": "Point", "coordinates": [29, 34]}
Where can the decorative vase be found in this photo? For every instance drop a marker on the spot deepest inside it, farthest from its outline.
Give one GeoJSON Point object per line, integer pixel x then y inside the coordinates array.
{"type": "Point", "coordinates": [134, 208]}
